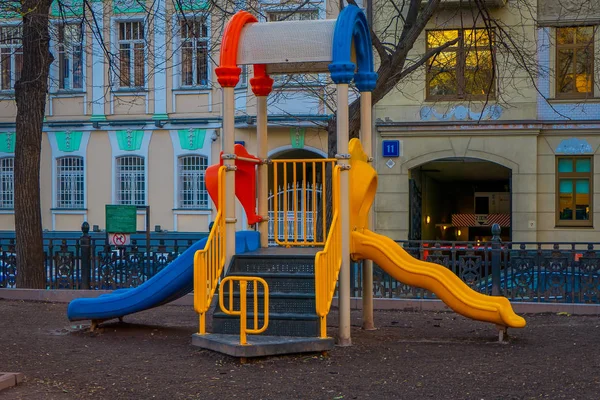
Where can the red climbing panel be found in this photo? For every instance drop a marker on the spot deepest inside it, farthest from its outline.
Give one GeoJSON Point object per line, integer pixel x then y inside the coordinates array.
{"type": "Point", "coordinates": [245, 182]}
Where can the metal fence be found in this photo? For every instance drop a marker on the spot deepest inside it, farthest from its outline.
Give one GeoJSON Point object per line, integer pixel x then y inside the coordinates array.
{"type": "Point", "coordinates": [88, 262]}
{"type": "Point", "coordinates": [529, 272]}
{"type": "Point", "coordinates": [532, 272]}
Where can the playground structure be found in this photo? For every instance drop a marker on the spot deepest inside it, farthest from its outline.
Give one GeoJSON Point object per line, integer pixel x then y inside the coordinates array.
{"type": "Point", "coordinates": [342, 47]}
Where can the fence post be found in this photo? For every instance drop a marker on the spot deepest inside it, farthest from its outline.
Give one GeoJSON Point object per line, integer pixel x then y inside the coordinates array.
{"type": "Point", "coordinates": [85, 256]}
{"type": "Point", "coordinates": [496, 245]}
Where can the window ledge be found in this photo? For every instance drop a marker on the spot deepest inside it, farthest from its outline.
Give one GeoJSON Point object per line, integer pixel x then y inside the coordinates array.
{"type": "Point", "coordinates": [7, 210]}
{"type": "Point", "coordinates": [573, 227]}
{"type": "Point", "coordinates": [69, 210]}
{"type": "Point", "coordinates": [490, 101]}
{"type": "Point", "coordinates": [192, 211]}
{"type": "Point", "coordinates": [583, 100]}
{"type": "Point", "coordinates": [67, 93]}
{"type": "Point", "coordinates": [133, 91]}
{"type": "Point", "coordinates": [192, 90]}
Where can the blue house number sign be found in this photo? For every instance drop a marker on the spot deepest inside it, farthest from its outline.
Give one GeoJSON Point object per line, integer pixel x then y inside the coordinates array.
{"type": "Point", "coordinates": [391, 148]}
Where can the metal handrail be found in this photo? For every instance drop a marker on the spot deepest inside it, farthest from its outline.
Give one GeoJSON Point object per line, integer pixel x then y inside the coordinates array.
{"type": "Point", "coordinates": [243, 280]}
{"type": "Point", "coordinates": [299, 167]}
{"type": "Point", "coordinates": [209, 262]}
{"type": "Point", "coordinates": [329, 261]}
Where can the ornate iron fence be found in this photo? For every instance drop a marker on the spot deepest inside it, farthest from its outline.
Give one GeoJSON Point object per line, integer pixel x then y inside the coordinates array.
{"type": "Point", "coordinates": [89, 262]}
{"type": "Point", "coordinates": [529, 272]}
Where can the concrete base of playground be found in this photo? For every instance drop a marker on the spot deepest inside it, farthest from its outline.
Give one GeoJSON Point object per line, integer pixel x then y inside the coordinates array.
{"type": "Point", "coordinates": [65, 296]}
{"type": "Point", "coordinates": [10, 379]}
{"type": "Point", "coordinates": [261, 346]}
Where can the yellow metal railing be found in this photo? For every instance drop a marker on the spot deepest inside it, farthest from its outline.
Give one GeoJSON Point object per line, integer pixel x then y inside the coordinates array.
{"type": "Point", "coordinates": [242, 312]}
{"type": "Point", "coordinates": [298, 201]}
{"type": "Point", "coordinates": [209, 262]}
{"type": "Point", "coordinates": [329, 260]}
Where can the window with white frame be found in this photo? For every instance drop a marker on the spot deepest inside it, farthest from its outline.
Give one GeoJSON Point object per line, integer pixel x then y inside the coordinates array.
{"type": "Point", "coordinates": [131, 180]}
{"type": "Point", "coordinates": [11, 56]}
{"type": "Point", "coordinates": [193, 34]}
{"type": "Point", "coordinates": [70, 56]}
{"type": "Point", "coordinates": [69, 182]}
{"type": "Point", "coordinates": [191, 185]}
{"type": "Point", "coordinates": [7, 182]}
{"type": "Point", "coordinates": [132, 57]}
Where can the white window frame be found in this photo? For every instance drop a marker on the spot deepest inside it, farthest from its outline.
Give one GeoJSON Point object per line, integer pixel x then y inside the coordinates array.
{"type": "Point", "coordinates": [133, 177]}
{"type": "Point", "coordinates": [115, 44]}
{"type": "Point", "coordinates": [74, 178]}
{"type": "Point", "coordinates": [56, 154]}
{"type": "Point", "coordinates": [195, 42]}
{"type": "Point", "coordinates": [175, 34]}
{"type": "Point", "coordinates": [116, 153]}
{"type": "Point", "coordinates": [55, 68]}
{"type": "Point", "coordinates": [2, 173]}
{"type": "Point", "coordinates": [13, 69]}
{"type": "Point", "coordinates": [205, 151]}
{"type": "Point", "coordinates": [196, 191]}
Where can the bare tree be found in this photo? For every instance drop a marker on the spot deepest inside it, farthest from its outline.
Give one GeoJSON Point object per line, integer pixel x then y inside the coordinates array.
{"type": "Point", "coordinates": [30, 94]}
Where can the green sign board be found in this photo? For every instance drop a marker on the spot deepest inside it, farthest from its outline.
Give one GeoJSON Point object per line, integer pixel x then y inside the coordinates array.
{"type": "Point", "coordinates": [121, 219]}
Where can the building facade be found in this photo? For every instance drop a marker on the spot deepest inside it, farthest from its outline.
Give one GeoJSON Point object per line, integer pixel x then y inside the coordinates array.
{"type": "Point", "coordinates": [479, 135]}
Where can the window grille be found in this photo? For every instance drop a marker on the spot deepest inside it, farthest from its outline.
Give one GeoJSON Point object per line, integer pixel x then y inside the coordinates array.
{"type": "Point", "coordinates": [7, 182]}
{"type": "Point", "coordinates": [69, 182]}
{"type": "Point", "coordinates": [11, 56]}
{"type": "Point", "coordinates": [131, 54]}
{"type": "Point", "coordinates": [192, 187]}
{"type": "Point", "coordinates": [131, 180]}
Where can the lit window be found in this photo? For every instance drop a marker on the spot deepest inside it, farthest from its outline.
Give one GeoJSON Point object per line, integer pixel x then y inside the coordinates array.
{"type": "Point", "coordinates": [194, 52]}
{"type": "Point", "coordinates": [7, 182]}
{"type": "Point", "coordinates": [463, 70]}
{"type": "Point", "coordinates": [574, 191]}
{"type": "Point", "coordinates": [131, 54]}
{"type": "Point", "coordinates": [131, 180]}
{"type": "Point", "coordinates": [574, 62]}
{"type": "Point", "coordinates": [70, 56]}
{"type": "Point", "coordinates": [69, 182]}
{"type": "Point", "coordinates": [192, 187]}
{"type": "Point", "coordinates": [11, 56]}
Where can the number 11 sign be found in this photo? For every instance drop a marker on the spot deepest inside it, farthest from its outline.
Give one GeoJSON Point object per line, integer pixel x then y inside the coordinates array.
{"type": "Point", "coordinates": [391, 148]}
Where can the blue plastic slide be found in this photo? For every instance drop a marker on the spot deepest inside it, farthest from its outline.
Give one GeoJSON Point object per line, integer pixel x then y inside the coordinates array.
{"type": "Point", "coordinates": [172, 282]}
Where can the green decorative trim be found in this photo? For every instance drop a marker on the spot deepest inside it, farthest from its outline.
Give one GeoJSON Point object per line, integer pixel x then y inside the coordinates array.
{"type": "Point", "coordinates": [95, 118]}
{"type": "Point", "coordinates": [10, 9]}
{"type": "Point", "coordinates": [130, 140]}
{"type": "Point", "coordinates": [191, 139]}
{"type": "Point", "coordinates": [68, 141]}
{"type": "Point", "coordinates": [159, 117]}
{"type": "Point", "coordinates": [297, 137]}
{"type": "Point", "coordinates": [67, 8]}
{"type": "Point", "coordinates": [7, 142]}
{"type": "Point", "coordinates": [129, 6]}
{"type": "Point", "coordinates": [192, 5]}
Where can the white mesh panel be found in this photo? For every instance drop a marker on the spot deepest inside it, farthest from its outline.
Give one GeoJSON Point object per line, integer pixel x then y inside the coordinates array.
{"type": "Point", "coordinates": [308, 43]}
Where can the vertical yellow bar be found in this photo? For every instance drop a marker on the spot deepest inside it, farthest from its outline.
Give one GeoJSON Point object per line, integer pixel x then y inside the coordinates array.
{"type": "Point", "coordinates": [242, 312]}
{"type": "Point", "coordinates": [231, 295]}
{"type": "Point", "coordinates": [324, 201]}
{"type": "Point", "coordinates": [295, 199]}
{"type": "Point", "coordinates": [275, 202]}
{"type": "Point", "coordinates": [314, 201]}
{"type": "Point", "coordinates": [255, 287]}
{"type": "Point", "coordinates": [303, 200]}
{"type": "Point", "coordinates": [285, 204]}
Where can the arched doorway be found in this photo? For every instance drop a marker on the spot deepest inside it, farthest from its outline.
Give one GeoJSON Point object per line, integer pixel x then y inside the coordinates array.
{"type": "Point", "coordinates": [296, 195]}
{"type": "Point", "coordinates": [458, 199]}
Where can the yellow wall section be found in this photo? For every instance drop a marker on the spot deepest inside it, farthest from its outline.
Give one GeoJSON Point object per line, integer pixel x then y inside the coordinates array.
{"type": "Point", "coordinates": [160, 180]}
{"type": "Point", "coordinates": [99, 177]}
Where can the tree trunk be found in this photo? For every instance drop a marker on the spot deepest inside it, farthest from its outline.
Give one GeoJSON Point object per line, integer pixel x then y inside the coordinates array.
{"type": "Point", "coordinates": [30, 93]}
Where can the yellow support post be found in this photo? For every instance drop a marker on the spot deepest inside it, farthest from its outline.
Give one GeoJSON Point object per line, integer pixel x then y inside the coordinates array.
{"type": "Point", "coordinates": [262, 175]}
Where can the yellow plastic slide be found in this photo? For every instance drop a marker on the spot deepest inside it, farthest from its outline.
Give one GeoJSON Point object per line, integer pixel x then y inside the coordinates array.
{"type": "Point", "coordinates": [394, 260]}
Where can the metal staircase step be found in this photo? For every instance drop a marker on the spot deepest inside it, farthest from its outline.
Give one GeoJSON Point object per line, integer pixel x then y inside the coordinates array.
{"type": "Point", "coordinates": [280, 324]}
{"type": "Point", "coordinates": [298, 303]}
{"type": "Point", "coordinates": [278, 264]}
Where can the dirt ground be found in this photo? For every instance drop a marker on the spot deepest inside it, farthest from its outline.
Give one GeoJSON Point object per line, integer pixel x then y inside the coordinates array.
{"type": "Point", "coordinates": [422, 355]}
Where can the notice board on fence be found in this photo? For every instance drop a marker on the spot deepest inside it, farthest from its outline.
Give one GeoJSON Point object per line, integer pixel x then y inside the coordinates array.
{"type": "Point", "coordinates": [121, 218]}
